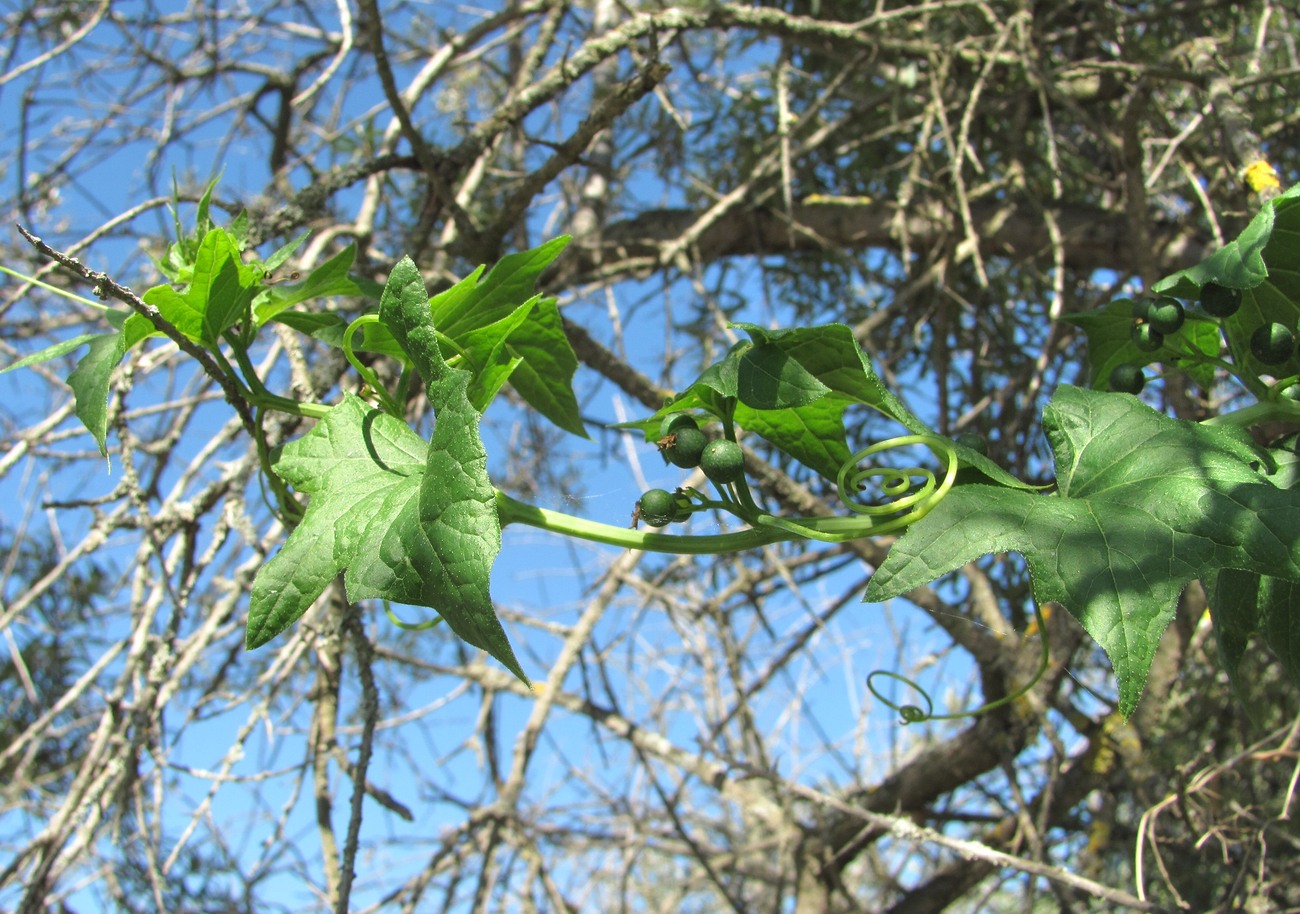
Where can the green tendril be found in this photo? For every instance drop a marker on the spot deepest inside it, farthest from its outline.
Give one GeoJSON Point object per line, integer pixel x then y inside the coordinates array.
{"type": "Point", "coordinates": [914, 491]}
{"type": "Point", "coordinates": [914, 714]}
{"type": "Point", "coordinates": [899, 484]}
{"type": "Point", "coordinates": [410, 626]}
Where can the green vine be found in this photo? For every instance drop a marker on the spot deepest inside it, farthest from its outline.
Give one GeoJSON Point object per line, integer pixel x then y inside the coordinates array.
{"type": "Point", "coordinates": [415, 521]}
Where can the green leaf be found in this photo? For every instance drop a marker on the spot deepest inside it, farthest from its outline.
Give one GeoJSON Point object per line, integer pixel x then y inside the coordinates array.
{"type": "Point", "coordinates": [1145, 505]}
{"type": "Point", "coordinates": [404, 521]}
{"type": "Point", "coordinates": [792, 388]}
{"type": "Point", "coordinates": [490, 360]}
{"type": "Point", "coordinates": [783, 370]}
{"type": "Point", "coordinates": [1243, 604]}
{"type": "Point", "coordinates": [52, 352]}
{"type": "Point", "coordinates": [447, 544]}
{"type": "Point", "coordinates": [330, 327]}
{"type": "Point", "coordinates": [229, 294]}
{"type": "Point", "coordinates": [93, 374]}
{"type": "Point", "coordinates": [357, 464]}
{"type": "Point", "coordinates": [814, 435]}
{"type": "Point", "coordinates": [285, 251]}
{"type": "Point", "coordinates": [177, 264]}
{"type": "Point", "coordinates": [219, 295]}
{"type": "Point", "coordinates": [1280, 622]}
{"type": "Point", "coordinates": [544, 375]}
{"type": "Point", "coordinates": [473, 303]}
{"type": "Point", "coordinates": [90, 382]}
{"type": "Point", "coordinates": [769, 376]}
{"type": "Point", "coordinates": [1241, 263]}
{"type": "Point", "coordinates": [326, 326]}
{"type": "Point", "coordinates": [479, 313]}
{"type": "Point", "coordinates": [327, 280]}
{"type": "Point", "coordinates": [1234, 601]}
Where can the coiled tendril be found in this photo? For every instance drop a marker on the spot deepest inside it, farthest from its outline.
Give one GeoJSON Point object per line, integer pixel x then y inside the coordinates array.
{"type": "Point", "coordinates": [897, 483]}
{"type": "Point", "coordinates": [906, 507]}
{"type": "Point", "coordinates": [914, 714]}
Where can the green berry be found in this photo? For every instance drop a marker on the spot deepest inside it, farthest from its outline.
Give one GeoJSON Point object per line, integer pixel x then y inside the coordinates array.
{"type": "Point", "coordinates": [1165, 315]}
{"type": "Point", "coordinates": [1217, 301]}
{"type": "Point", "coordinates": [1272, 344]}
{"type": "Point", "coordinates": [1127, 379]}
{"type": "Point", "coordinates": [658, 507]}
{"type": "Point", "coordinates": [723, 461]}
{"type": "Point", "coordinates": [1147, 338]}
{"type": "Point", "coordinates": [684, 447]}
{"type": "Point", "coordinates": [674, 421]}
{"type": "Point", "coordinates": [1142, 308]}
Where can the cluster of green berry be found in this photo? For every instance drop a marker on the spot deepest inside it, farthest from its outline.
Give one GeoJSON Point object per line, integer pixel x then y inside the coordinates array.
{"type": "Point", "coordinates": [1156, 317]}
{"type": "Point", "coordinates": [683, 444]}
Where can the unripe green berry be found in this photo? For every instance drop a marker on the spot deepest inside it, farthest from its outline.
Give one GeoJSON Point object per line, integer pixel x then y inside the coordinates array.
{"type": "Point", "coordinates": [1272, 344]}
{"type": "Point", "coordinates": [684, 447]}
{"type": "Point", "coordinates": [1165, 315]}
{"type": "Point", "coordinates": [657, 507]}
{"type": "Point", "coordinates": [1147, 338]}
{"type": "Point", "coordinates": [1127, 379]}
{"type": "Point", "coordinates": [723, 461]}
{"type": "Point", "coordinates": [1218, 301]}
{"type": "Point", "coordinates": [675, 421]}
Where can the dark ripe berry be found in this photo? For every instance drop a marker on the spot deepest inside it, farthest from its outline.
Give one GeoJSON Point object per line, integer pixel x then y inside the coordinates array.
{"type": "Point", "coordinates": [674, 421]}
{"type": "Point", "coordinates": [684, 447]}
{"type": "Point", "coordinates": [1272, 344]}
{"type": "Point", "coordinates": [723, 461]}
{"type": "Point", "coordinates": [1217, 301]}
{"type": "Point", "coordinates": [1147, 338]}
{"type": "Point", "coordinates": [1127, 379]}
{"type": "Point", "coordinates": [658, 507]}
{"type": "Point", "coordinates": [976, 443]}
{"type": "Point", "coordinates": [1165, 315]}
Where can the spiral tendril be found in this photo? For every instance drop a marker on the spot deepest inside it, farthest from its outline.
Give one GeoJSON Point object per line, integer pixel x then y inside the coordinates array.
{"type": "Point", "coordinates": [876, 519]}
{"type": "Point", "coordinates": [913, 491]}
{"type": "Point", "coordinates": [914, 714]}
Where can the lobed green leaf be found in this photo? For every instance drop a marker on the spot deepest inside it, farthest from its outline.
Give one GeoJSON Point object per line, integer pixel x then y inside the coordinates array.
{"type": "Point", "coordinates": [1146, 504]}
{"type": "Point", "coordinates": [441, 552]}
{"type": "Point", "coordinates": [357, 464]}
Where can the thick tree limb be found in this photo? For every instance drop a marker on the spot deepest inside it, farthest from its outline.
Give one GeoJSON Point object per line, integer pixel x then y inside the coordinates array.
{"type": "Point", "coordinates": [1094, 239]}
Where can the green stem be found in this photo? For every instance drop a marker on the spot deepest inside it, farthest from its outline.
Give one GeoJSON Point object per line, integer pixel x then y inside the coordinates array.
{"type": "Point", "coordinates": [286, 405]}
{"type": "Point", "coordinates": [1197, 357]}
{"type": "Point", "coordinates": [1264, 411]}
{"type": "Point", "coordinates": [255, 385]}
{"type": "Point", "coordinates": [512, 511]}
{"type": "Point", "coordinates": [389, 405]}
